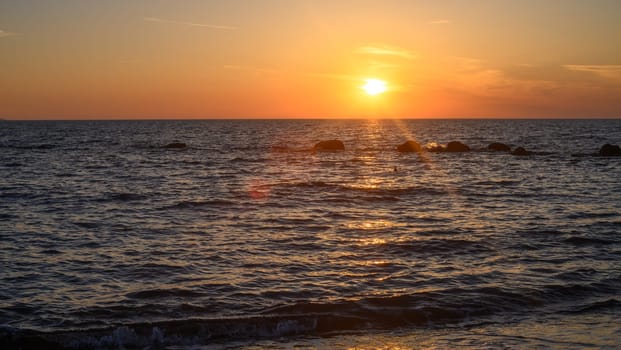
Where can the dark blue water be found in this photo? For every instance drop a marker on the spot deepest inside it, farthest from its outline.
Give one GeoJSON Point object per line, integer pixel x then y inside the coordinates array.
{"type": "Point", "coordinates": [108, 239]}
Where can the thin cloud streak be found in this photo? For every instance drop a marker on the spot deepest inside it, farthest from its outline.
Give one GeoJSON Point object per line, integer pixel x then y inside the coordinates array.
{"type": "Point", "coordinates": [385, 51]}
{"type": "Point", "coordinates": [4, 34]}
{"type": "Point", "coordinates": [190, 24]}
{"type": "Point", "coordinates": [606, 71]}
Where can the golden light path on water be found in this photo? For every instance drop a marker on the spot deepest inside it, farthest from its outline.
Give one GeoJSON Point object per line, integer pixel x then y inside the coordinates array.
{"type": "Point", "coordinates": [259, 187]}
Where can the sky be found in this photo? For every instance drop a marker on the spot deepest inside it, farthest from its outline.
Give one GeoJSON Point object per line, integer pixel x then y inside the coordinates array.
{"type": "Point", "coordinates": [135, 59]}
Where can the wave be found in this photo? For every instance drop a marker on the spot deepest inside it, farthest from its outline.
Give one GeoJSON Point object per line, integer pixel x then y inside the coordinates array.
{"type": "Point", "coordinates": [498, 183]}
{"type": "Point", "coordinates": [377, 191]}
{"type": "Point", "coordinates": [600, 306]}
{"type": "Point", "coordinates": [437, 246]}
{"type": "Point", "coordinates": [248, 160]}
{"type": "Point", "coordinates": [195, 204]}
{"type": "Point", "coordinates": [584, 241]}
{"type": "Point", "coordinates": [44, 146]}
{"type": "Point", "coordinates": [126, 196]}
{"type": "Point", "coordinates": [164, 293]}
{"type": "Point", "coordinates": [572, 291]}
{"type": "Point", "coordinates": [6, 216]}
{"type": "Point", "coordinates": [451, 306]}
{"type": "Point", "coordinates": [592, 215]}
{"type": "Point", "coordinates": [304, 318]}
{"type": "Point", "coordinates": [188, 332]}
{"type": "Point", "coordinates": [86, 224]}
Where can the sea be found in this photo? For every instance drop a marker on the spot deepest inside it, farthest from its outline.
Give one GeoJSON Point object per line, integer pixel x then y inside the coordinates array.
{"type": "Point", "coordinates": [249, 238]}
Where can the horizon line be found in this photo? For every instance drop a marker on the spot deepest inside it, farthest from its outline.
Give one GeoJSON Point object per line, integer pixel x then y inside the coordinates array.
{"type": "Point", "coordinates": [8, 119]}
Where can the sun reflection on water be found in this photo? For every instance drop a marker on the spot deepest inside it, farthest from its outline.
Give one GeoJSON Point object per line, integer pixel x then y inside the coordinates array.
{"type": "Point", "coordinates": [371, 225]}
{"type": "Point", "coordinates": [372, 241]}
{"type": "Point", "coordinates": [366, 184]}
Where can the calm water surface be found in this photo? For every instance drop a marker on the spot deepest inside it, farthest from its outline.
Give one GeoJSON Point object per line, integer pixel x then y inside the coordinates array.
{"type": "Point", "coordinates": [247, 238]}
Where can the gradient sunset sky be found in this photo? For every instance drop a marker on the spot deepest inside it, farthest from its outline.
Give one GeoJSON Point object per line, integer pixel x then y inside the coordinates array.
{"type": "Point", "coordinates": [68, 59]}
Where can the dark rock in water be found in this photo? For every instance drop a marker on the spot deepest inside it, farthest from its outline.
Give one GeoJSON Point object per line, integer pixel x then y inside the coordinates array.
{"type": "Point", "coordinates": [521, 151]}
{"type": "Point", "coordinates": [176, 145]}
{"type": "Point", "coordinates": [500, 147]}
{"type": "Point", "coordinates": [610, 150]}
{"type": "Point", "coordinates": [456, 146]}
{"type": "Point", "coordinates": [409, 146]}
{"type": "Point", "coordinates": [329, 145]}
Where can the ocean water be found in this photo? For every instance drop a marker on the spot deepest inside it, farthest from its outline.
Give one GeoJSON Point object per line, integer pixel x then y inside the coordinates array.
{"type": "Point", "coordinates": [249, 239]}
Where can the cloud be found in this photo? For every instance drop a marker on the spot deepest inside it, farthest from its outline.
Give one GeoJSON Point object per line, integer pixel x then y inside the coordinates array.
{"type": "Point", "coordinates": [440, 21]}
{"type": "Point", "coordinates": [385, 51]}
{"type": "Point", "coordinates": [607, 71]}
{"type": "Point", "coordinates": [190, 24]}
{"type": "Point", "coordinates": [478, 77]}
{"type": "Point", "coordinates": [5, 34]}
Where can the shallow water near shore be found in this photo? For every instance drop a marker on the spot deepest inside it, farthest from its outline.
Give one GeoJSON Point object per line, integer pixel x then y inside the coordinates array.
{"type": "Point", "coordinates": [248, 238]}
{"type": "Point", "coordinates": [593, 331]}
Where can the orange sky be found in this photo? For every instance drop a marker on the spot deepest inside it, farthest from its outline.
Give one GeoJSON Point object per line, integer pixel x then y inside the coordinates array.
{"type": "Point", "coordinates": [292, 58]}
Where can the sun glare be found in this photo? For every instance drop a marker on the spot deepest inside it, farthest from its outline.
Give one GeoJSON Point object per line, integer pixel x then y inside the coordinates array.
{"type": "Point", "coordinates": [374, 86]}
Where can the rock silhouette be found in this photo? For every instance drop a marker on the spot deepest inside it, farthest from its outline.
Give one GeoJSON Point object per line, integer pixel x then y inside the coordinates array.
{"type": "Point", "coordinates": [608, 150]}
{"type": "Point", "coordinates": [521, 151]}
{"type": "Point", "coordinates": [176, 145]}
{"type": "Point", "coordinates": [409, 146]}
{"type": "Point", "coordinates": [498, 146]}
{"type": "Point", "coordinates": [456, 146]}
{"type": "Point", "coordinates": [329, 145]}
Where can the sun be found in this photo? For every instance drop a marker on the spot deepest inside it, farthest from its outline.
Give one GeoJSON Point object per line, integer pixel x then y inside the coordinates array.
{"type": "Point", "coordinates": [374, 87]}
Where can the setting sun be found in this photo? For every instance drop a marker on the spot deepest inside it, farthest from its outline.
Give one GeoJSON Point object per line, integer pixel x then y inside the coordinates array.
{"type": "Point", "coordinates": [374, 86]}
